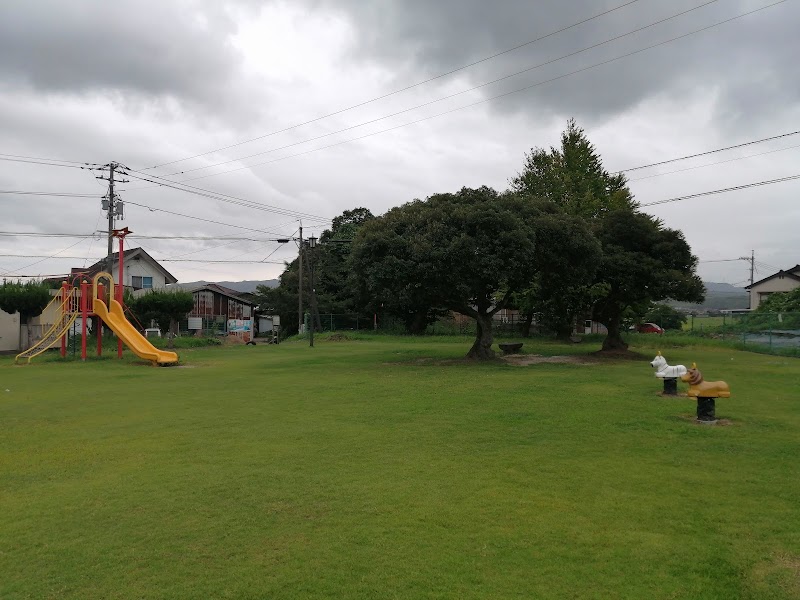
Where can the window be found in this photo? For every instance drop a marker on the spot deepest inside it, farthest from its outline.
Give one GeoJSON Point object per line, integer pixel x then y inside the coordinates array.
{"type": "Point", "coordinates": [141, 283]}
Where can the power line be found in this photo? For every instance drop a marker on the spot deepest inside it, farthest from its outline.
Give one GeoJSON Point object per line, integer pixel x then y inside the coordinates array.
{"type": "Point", "coordinates": [45, 257]}
{"type": "Point", "coordinates": [449, 96]}
{"type": "Point", "coordinates": [153, 209]}
{"type": "Point", "coordinates": [672, 160]}
{"type": "Point", "coordinates": [720, 162]}
{"type": "Point", "coordinates": [483, 101]}
{"type": "Point", "coordinates": [721, 191]}
{"type": "Point", "coordinates": [55, 160]}
{"type": "Point", "coordinates": [48, 163]}
{"type": "Point", "coordinates": [371, 100]}
{"type": "Point", "coordinates": [58, 194]}
{"type": "Point", "coordinates": [198, 191]}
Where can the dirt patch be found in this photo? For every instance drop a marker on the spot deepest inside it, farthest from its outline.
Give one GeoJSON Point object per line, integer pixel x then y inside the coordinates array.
{"type": "Point", "coordinates": [233, 340]}
{"type": "Point", "coordinates": [619, 355]}
{"type": "Point", "coordinates": [781, 572]}
{"type": "Point", "coordinates": [692, 418]}
{"type": "Point", "coordinates": [338, 337]}
{"type": "Point", "coordinates": [523, 360]}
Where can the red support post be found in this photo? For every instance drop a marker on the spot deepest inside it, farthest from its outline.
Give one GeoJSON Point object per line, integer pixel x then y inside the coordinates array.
{"type": "Point", "coordinates": [101, 293]}
{"type": "Point", "coordinates": [84, 315]}
{"type": "Point", "coordinates": [64, 296]}
{"type": "Point", "coordinates": [120, 281]}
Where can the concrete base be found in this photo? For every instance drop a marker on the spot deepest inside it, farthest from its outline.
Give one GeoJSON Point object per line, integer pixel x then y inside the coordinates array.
{"type": "Point", "coordinates": [670, 386]}
{"type": "Point", "coordinates": [706, 410]}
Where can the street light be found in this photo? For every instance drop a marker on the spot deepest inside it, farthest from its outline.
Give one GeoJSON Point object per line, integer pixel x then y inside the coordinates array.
{"type": "Point", "coordinates": [312, 243]}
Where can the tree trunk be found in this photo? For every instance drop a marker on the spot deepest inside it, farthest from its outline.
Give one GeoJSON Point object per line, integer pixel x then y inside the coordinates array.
{"type": "Point", "coordinates": [417, 323]}
{"type": "Point", "coordinates": [563, 331]}
{"type": "Point", "coordinates": [171, 334]}
{"type": "Point", "coordinates": [24, 334]}
{"type": "Point", "coordinates": [482, 348]}
{"type": "Point", "coordinates": [525, 325]}
{"type": "Point", "coordinates": [614, 339]}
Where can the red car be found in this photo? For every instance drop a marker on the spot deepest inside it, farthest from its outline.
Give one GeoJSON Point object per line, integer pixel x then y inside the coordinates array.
{"type": "Point", "coordinates": [649, 328]}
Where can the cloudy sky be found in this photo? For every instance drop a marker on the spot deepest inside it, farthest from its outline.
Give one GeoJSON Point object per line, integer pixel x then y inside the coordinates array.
{"type": "Point", "coordinates": [249, 99]}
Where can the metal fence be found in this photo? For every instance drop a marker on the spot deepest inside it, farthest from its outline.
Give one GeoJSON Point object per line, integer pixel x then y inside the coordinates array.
{"type": "Point", "coordinates": [446, 325]}
{"type": "Point", "coordinates": [765, 332]}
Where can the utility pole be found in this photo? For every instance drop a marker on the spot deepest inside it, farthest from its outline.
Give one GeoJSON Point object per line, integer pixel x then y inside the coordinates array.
{"type": "Point", "coordinates": [300, 284]}
{"type": "Point", "coordinates": [114, 207]}
{"type": "Point", "coordinates": [312, 244]}
{"type": "Point", "coordinates": [110, 258]}
{"type": "Point", "coordinates": [752, 260]}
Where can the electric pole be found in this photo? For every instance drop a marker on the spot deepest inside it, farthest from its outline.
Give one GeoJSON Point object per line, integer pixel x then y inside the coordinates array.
{"type": "Point", "coordinates": [110, 258]}
{"type": "Point", "coordinates": [752, 260]}
{"type": "Point", "coordinates": [300, 284]}
{"type": "Point", "coordinates": [115, 210]}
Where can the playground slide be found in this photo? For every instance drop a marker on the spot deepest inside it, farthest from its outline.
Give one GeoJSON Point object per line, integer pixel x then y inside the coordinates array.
{"type": "Point", "coordinates": [115, 319]}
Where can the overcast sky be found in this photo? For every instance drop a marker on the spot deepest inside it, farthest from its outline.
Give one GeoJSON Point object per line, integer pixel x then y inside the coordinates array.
{"type": "Point", "coordinates": [150, 82]}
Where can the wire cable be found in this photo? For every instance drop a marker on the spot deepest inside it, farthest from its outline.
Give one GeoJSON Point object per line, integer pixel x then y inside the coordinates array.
{"type": "Point", "coordinates": [723, 190]}
{"type": "Point", "coordinates": [449, 96]}
{"type": "Point", "coordinates": [489, 99]}
{"type": "Point", "coordinates": [177, 214]}
{"type": "Point", "coordinates": [45, 162]}
{"type": "Point", "coordinates": [371, 100]}
{"type": "Point", "coordinates": [46, 257]}
{"type": "Point", "coordinates": [56, 194]}
{"type": "Point", "coordinates": [721, 162]}
{"type": "Point", "coordinates": [742, 145]}
{"type": "Point", "coordinates": [222, 197]}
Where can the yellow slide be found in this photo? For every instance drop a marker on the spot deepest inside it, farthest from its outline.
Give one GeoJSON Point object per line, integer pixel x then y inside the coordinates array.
{"type": "Point", "coordinates": [116, 320]}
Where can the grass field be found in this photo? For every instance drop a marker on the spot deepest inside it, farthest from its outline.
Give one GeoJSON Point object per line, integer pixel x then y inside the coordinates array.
{"type": "Point", "coordinates": [390, 468]}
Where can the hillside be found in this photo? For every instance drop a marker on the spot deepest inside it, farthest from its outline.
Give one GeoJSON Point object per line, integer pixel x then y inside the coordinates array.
{"type": "Point", "coordinates": [239, 286]}
{"type": "Point", "coordinates": [719, 296]}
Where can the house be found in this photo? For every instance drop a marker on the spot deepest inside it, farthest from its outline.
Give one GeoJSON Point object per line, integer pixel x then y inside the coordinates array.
{"type": "Point", "coordinates": [141, 271]}
{"type": "Point", "coordinates": [782, 281]}
{"type": "Point", "coordinates": [220, 309]}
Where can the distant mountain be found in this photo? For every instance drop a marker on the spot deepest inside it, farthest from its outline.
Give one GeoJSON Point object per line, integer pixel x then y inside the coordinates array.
{"type": "Point", "coordinates": [239, 286]}
{"type": "Point", "coordinates": [719, 296]}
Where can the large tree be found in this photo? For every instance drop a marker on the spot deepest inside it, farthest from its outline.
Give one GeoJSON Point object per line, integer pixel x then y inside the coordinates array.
{"type": "Point", "coordinates": [335, 288]}
{"type": "Point", "coordinates": [572, 178]}
{"type": "Point", "coordinates": [567, 257]}
{"type": "Point", "coordinates": [642, 262]}
{"type": "Point", "coordinates": [466, 252]}
{"type": "Point", "coordinates": [28, 299]}
{"type": "Point", "coordinates": [569, 179]}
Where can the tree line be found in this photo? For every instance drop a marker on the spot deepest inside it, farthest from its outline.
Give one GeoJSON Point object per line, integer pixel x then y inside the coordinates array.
{"type": "Point", "coordinates": [566, 239]}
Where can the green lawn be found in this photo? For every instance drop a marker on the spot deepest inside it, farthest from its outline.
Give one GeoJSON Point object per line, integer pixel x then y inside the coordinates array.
{"type": "Point", "coordinates": [389, 468]}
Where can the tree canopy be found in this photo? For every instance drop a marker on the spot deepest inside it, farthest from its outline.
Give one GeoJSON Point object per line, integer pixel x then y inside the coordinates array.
{"type": "Point", "coordinates": [166, 307]}
{"type": "Point", "coordinates": [334, 284]}
{"type": "Point", "coordinates": [466, 252]}
{"type": "Point", "coordinates": [640, 261]}
{"type": "Point", "coordinates": [29, 299]}
{"type": "Point", "coordinates": [572, 177]}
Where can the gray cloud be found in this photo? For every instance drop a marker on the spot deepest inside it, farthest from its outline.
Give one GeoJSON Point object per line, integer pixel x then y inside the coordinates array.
{"type": "Point", "coordinates": [150, 50]}
{"type": "Point", "coordinates": [418, 36]}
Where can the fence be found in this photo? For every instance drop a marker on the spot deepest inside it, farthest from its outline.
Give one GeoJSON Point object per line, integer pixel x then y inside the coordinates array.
{"type": "Point", "coordinates": [764, 332]}
{"type": "Point", "coordinates": [446, 325]}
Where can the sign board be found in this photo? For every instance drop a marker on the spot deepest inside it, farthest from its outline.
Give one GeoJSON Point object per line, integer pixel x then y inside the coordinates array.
{"type": "Point", "coordinates": [195, 323]}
